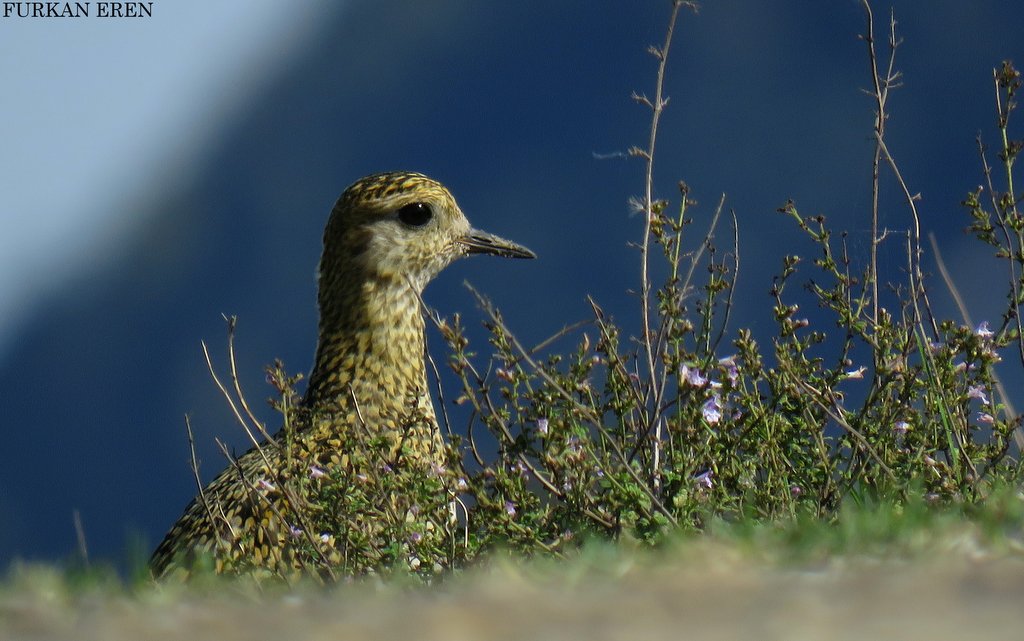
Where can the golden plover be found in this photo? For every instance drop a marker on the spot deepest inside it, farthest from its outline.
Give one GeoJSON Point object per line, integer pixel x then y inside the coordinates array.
{"type": "Point", "coordinates": [388, 235]}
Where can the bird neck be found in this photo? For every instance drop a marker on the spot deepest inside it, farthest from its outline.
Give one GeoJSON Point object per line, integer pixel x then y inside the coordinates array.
{"type": "Point", "coordinates": [370, 355]}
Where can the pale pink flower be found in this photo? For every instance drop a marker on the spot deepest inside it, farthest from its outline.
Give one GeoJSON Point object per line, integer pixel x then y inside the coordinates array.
{"type": "Point", "coordinates": [982, 330]}
{"type": "Point", "coordinates": [519, 468]}
{"type": "Point", "coordinates": [978, 392]}
{"type": "Point", "coordinates": [692, 376]}
{"type": "Point", "coordinates": [856, 373]}
{"type": "Point", "coordinates": [712, 410]}
{"type": "Point", "coordinates": [732, 371]}
{"type": "Point", "coordinates": [704, 479]}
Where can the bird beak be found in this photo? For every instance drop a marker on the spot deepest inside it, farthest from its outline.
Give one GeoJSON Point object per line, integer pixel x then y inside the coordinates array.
{"type": "Point", "coordinates": [480, 242]}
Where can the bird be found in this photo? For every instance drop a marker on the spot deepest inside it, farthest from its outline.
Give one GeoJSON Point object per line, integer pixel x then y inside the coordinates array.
{"type": "Point", "coordinates": [366, 414]}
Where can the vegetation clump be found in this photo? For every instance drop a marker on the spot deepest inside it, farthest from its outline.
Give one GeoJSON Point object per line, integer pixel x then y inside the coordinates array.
{"type": "Point", "coordinates": [688, 422]}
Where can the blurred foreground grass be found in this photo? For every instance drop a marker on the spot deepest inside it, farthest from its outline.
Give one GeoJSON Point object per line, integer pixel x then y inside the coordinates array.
{"type": "Point", "coordinates": [888, 571]}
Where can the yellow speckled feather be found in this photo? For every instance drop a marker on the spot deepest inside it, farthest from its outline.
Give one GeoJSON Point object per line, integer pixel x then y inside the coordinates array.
{"type": "Point", "coordinates": [388, 235]}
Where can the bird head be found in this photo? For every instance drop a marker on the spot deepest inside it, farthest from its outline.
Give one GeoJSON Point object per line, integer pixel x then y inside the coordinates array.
{"type": "Point", "coordinates": [404, 226]}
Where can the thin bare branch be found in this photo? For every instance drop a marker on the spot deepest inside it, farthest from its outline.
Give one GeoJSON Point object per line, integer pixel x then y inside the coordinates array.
{"type": "Point", "coordinates": [232, 321]}
{"type": "Point", "coordinates": [194, 462]}
{"type": "Point", "coordinates": [83, 548]}
{"type": "Point", "coordinates": [879, 96]}
{"type": "Point", "coordinates": [645, 294]}
{"type": "Point", "coordinates": [231, 402]}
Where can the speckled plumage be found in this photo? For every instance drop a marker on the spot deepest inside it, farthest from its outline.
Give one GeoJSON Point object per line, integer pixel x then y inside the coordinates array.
{"type": "Point", "coordinates": [368, 381]}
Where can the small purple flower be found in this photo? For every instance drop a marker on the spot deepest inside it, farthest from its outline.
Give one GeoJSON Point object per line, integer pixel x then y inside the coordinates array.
{"type": "Point", "coordinates": [692, 375]}
{"type": "Point", "coordinates": [573, 444]}
{"type": "Point", "coordinates": [985, 418]}
{"type": "Point", "coordinates": [795, 491]}
{"type": "Point", "coordinates": [732, 371]}
{"type": "Point", "coordinates": [542, 426]}
{"type": "Point", "coordinates": [415, 538]}
{"type": "Point", "coordinates": [901, 427]}
{"type": "Point", "coordinates": [316, 472]}
{"type": "Point", "coordinates": [704, 479]}
{"type": "Point", "coordinates": [436, 469]}
{"type": "Point", "coordinates": [712, 409]}
{"type": "Point", "coordinates": [510, 508]}
{"type": "Point", "coordinates": [978, 392]}
{"type": "Point", "coordinates": [294, 532]}
{"type": "Point", "coordinates": [519, 468]}
{"type": "Point", "coordinates": [598, 472]}
{"type": "Point", "coordinates": [992, 355]}
{"type": "Point", "coordinates": [982, 330]}
{"type": "Point", "coordinates": [461, 484]}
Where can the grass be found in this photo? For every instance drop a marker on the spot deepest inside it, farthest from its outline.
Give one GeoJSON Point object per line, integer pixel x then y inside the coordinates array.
{"type": "Point", "coordinates": [935, 572]}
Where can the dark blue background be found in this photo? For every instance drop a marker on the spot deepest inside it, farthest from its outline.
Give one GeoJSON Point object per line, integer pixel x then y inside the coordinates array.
{"type": "Point", "coordinates": [507, 103]}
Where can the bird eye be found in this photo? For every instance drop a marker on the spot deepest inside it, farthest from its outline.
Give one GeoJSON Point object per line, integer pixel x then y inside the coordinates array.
{"type": "Point", "coordinates": [415, 214]}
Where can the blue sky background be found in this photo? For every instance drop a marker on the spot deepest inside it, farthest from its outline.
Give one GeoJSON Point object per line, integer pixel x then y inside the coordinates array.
{"type": "Point", "coordinates": [156, 173]}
